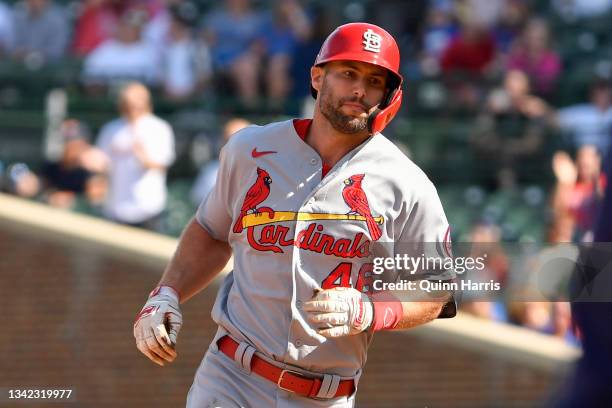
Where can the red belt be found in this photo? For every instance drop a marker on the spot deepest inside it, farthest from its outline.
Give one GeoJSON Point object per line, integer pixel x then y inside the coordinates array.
{"type": "Point", "coordinates": [287, 380]}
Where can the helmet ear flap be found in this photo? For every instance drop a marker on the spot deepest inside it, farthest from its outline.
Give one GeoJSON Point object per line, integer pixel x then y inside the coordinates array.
{"type": "Point", "coordinates": [385, 112]}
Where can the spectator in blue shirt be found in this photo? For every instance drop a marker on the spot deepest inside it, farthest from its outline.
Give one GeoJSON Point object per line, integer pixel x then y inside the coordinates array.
{"type": "Point", "coordinates": [232, 32]}
{"type": "Point", "coordinates": [41, 32]}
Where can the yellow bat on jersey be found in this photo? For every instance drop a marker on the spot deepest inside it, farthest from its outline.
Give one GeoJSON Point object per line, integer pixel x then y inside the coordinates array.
{"type": "Point", "coordinates": [263, 218]}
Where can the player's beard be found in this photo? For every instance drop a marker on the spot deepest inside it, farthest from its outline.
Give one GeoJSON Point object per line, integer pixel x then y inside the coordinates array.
{"type": "Point", "coordinates": [332, 111]}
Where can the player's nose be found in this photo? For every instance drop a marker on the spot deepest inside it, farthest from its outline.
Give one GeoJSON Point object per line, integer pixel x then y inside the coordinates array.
{"type": "Point", "coordinates": [359, 88]}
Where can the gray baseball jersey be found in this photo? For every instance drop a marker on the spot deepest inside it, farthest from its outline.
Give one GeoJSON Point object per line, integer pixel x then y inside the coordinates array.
{"type": "Point", "coordinates": [293, 231]}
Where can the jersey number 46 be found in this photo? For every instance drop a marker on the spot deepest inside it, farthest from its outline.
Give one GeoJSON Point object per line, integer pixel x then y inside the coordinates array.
{"type": "Point", "coordinates": [341, 276]}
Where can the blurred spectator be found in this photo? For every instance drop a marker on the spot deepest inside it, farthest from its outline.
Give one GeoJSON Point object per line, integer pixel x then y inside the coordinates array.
{"type": "Point", "coordinates": [485, 243]}
{"type": "Point", "coordinates": [152, 8]}
{"type": "Point", "coordinates": [533, 54]}
{"type": "Point", "coordinates": [139, 148]}
{"type": "Point", "coordinates": [186, 64]}
{"type": "Point", "coordinates": [96, 23]}
{"type": "Point", "coordinates": [465, 63]}
{"type": "Point", "coordinates": [579, 190]}
{"type": "Point", "coordinates": [576, 9]}
{"type": "Point", "coordinates": [438, 32]}
{"type": "Point", "coordinates": [6, 30]}
{"type": "Point", "coordinates": [542, 270]}
{"type": "Point", "coordinates": [485, 13]}
{"type": "Point", "coordinates": [307, 49]}
{"type": "Point", "coordinates": [207, 177]}
{"type": "Point", "coordinates": [41, 32]}
{"type": "Point", "coordinates": [544, 277]}
{"type": "Point", "coordinates": [19, 180]}
{"type": "Point", "coordinates": [470, 52]}
{"type": "Point", "coordinates": [547, 274]}
{"type": "Point", "coordinates": [75, 173]}
{"type": "Point", "coordinates": [402, 19]}
{"type": "Point", "coordinates": [510, 129]}
{"type": "Point", "coordinates": [603, 226]}
{"type": "Point", "coordinates": [552, 318]}
{"type": "Point", "coordinates": [232, 32]}
{"type": "Point", "coordinates": [511, 22]}
{"type": "Point", "coordinates": [561, 229]}
{"type": "Point", "coordinates": [157, 29]}
{"type": "Point", "coordinates": [590, 123]}
{"type": "Point", "coordinates": [283, 27]}
{"type": "Point", "coordinates": [124, 57]}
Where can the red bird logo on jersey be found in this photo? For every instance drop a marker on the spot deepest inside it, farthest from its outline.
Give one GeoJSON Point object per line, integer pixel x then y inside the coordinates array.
{"type": "Point", "coordinates": [259, 191]}
{"type": "Point", "coordinates": [356, 199]}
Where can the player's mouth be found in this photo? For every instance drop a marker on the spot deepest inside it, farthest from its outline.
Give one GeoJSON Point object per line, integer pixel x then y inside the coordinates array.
{"type": "Point", "coordinates": [355, 106]}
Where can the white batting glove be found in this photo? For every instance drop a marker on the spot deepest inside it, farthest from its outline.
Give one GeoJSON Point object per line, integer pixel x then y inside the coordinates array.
{"type": "Point", "coordinates": [340, 312]}
{"type": "Point", "coordinates": [157, 325]}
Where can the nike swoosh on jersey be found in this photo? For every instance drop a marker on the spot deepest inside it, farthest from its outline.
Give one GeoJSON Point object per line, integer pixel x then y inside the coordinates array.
{"type": "Point", "coordinates": [257, 154]}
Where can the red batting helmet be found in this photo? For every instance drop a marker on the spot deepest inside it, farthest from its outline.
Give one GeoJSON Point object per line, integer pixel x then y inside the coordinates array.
{"type": "Point", "coordinates": [367, 43]}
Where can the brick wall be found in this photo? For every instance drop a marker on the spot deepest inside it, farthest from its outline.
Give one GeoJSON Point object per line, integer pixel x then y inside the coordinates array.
{"type": "Point", "coordinates": [67, 313]}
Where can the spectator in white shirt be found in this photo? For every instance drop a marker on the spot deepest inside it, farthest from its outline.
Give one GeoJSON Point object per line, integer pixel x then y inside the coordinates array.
{"type": "Point", "coordinates": [140, 148]}
{"type": "Point", "coordinates": [126, 56]}
{"type": "Point", "coordinates": [186, 64]}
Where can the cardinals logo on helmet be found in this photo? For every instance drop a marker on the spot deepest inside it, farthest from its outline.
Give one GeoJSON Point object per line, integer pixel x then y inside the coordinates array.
{"type": "Point", "coordinates": [371, 41]}
{"type": "Point", "coordinates": [356, 199]}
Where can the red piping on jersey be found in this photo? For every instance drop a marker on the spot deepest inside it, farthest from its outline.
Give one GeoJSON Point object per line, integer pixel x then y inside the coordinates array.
{"type": "Point", "coordinates": [302, 126]}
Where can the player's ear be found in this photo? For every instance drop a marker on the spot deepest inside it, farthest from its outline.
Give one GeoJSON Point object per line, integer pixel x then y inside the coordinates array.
{"type": "Point", "coordinates": [316, 77]}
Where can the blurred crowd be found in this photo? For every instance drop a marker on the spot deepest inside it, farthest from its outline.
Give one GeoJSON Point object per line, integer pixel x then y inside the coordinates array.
{"type": "Point", "coordinates": [495, 63]}
{"type": "Point", "coordinates": [170, 44]}
{"type": "Point", "coordinates": [260, 52]}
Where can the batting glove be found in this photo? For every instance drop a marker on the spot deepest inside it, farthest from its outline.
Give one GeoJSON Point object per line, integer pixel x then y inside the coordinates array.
{"type": "Point", "coordinates": [340, 312]}
{"type": "Point", "coordinates": [157, 325]}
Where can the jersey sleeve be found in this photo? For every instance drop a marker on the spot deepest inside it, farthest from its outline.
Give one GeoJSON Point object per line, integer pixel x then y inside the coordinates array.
{"type": "Point", "coordinates": [426, 235]}
{"type": "Point", "coordinates": [426, 239]}
{"type": "Point", "coordinates": [214, 211]}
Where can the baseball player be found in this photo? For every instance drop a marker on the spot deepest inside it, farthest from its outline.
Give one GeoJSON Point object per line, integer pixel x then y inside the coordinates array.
{"type": "Point", "coordinates": [304, 206]}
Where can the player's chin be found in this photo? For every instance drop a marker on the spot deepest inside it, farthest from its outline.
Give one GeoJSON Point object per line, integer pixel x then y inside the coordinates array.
{"type": "Point", "coordinates": [354, 121]}
{"type": "Point", "coordinates": [356, 126]}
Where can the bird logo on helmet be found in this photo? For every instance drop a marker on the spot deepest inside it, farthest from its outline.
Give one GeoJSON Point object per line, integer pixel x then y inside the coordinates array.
{"type": "Point", "coordinates": [364, 42]}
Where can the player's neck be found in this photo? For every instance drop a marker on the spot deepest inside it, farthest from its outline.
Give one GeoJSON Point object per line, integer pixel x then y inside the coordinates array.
{"type": "Point", "coordinates": [328, 142]}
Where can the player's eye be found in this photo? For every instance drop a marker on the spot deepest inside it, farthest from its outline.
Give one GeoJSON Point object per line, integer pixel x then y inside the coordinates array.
{"type": "Point", "coordinates": [376, 81]}
{"type": "Point", "coordinates": [348, 74]}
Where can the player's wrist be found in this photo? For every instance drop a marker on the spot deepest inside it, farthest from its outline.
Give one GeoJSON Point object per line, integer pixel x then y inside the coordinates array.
{"type": "Point", "coordinates": [387, 311]}
{"type": "Point", "coordinates": [368, 311]}
{"type": "Point", "coordinates": [165, 290]}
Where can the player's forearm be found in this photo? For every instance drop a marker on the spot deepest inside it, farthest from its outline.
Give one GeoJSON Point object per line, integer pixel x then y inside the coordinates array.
{"type": "Point", "coordinates": [408, 308]}
{"type": "Point", "coordinates": [418, 313]}
{"type": "Point", "coordinates": [197, 260]}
